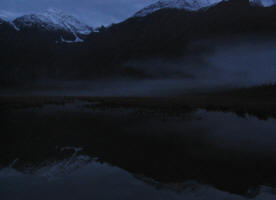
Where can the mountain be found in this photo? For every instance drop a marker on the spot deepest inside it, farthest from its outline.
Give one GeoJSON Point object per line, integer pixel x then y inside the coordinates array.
{"type": "Point", "coordinates": [6, 23]}
{"type": "Point", "coordinates": [264, 3]}
{"type": "Point", "coordinates": [168, 32]}
{"type": "Point", "coordinates": [32, 45]}
{"type": "Point", "coordinates": [33, 53]}
{"type": "Point", "coordinates": [191, 5]}
{"type": "Point", "coordinates": [55, 21]}
{"type": "Point", "coordinates": [2, 21]}
{"type": "Point", "coordinates": [7, 30]}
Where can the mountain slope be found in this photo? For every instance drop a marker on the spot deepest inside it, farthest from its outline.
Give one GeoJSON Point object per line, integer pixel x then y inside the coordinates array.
{"type": "Point", "coordinates": [166, 33]}
{"type": "Point", "coordinates": [55, 21]}
{"type": "Point", "coordinates": [265, 3]}
{"type": "Point", "coordinates": [191, 5]}
{"type": "Point", "coordinates": [2, 21]}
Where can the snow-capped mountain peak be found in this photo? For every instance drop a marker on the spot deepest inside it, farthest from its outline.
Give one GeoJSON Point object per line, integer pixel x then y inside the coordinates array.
{"type": "Point", "coordinates": [54, 19]}
{"type": "Point", "coordinates": [5, 17]}
{"type": "Point", "coordinates": [192, 5]}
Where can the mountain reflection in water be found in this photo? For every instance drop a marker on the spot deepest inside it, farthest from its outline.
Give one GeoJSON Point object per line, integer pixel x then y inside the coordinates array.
{"type": "Point", "coordinates": [61, 152]}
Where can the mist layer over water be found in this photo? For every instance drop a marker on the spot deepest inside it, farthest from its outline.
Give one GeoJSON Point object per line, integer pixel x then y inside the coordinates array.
{"type": "Point", "coordinates": [209, 64]}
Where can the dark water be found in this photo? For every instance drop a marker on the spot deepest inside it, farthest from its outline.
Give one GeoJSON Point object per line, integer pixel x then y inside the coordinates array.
{"type": "Point", "coordinates": [72, 152]}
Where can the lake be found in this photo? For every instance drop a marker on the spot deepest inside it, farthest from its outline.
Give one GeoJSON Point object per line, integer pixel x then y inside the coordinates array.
{"type": "Point", "coordinates": [73, 151]}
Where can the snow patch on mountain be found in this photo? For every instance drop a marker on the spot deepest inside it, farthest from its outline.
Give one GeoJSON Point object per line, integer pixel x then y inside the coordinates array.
{"type": "Point", "coordinates": [7, 17]}
{"type": "Point", "coordinates": [14, 26]}
{"type": "Point", "coordinates": [264, 3]}
{"type": "Point", "coordinates": [2, 21]}
{"type": "Point", "coordinates": [192, 5]}
{"type": "Point", "coordinates": [77, 40]}
{"type": "Point", "coordinates": [54, 19]}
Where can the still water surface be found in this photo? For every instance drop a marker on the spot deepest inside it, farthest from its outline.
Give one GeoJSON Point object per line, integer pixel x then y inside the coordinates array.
{"type": "Point", "coordinates": [72, 152]}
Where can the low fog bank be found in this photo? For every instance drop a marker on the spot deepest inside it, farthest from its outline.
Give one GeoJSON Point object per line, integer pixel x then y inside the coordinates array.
{"type": "Point", "coordinates": [247, 62]}
{"type": "Point", "coordinates": [235, 61]}
{"type": "Point", "coordinates": [209, 65]}
{"type": "Point", "coordinates": [116, 87]}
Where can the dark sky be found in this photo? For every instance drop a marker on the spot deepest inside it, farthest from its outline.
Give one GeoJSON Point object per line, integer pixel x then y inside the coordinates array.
{"type": "Point", "coordinates": [93, 12]}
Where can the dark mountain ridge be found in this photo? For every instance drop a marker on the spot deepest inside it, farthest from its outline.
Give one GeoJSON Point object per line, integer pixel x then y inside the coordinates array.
{"type": "Point", "coordinates": [164, 33]}
{"type": "Point", "coordinates": [168, 30]}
